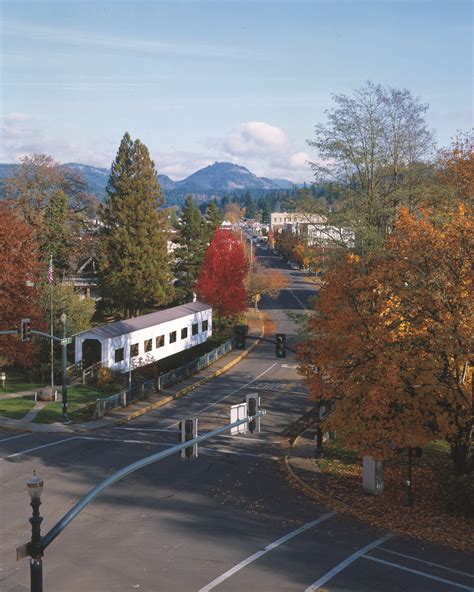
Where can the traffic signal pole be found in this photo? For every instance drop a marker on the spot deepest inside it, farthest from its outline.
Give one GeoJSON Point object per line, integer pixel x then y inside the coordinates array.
{"type": "Point", "coordinates": [25, 332]}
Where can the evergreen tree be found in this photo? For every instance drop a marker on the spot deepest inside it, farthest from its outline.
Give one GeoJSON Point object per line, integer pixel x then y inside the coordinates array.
{"type": "Point", "coordinates": [193, 236]}
{"type": "Point", "coordinates": [55, 239]}
{"type": "Point", "coordinates": [213, 217]}
{"type": "Point", "coordinates": [134, 261]}
{"type": "Point", "coordinates": [249, 206]}
{"type": "Point", "coordinates": [266, 212]}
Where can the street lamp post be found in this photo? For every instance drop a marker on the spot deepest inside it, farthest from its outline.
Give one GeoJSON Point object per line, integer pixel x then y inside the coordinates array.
{"type": "Point", "coordinates": [409, 492]}
{"type": "Point", "coordinates": [64, 368]}
{"type": "Point", "coordinates": [35, 548]}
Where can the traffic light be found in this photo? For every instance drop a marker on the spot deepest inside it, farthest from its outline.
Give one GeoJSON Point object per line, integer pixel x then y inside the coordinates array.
{"type": "Point", "coordinates": [253, 406]}
{"type": "Point", "coordinates": [25, 329]}
{"type": "Point", "coordinates": [189, 431]}
{"type": "Point", "coordinates": [280, 348]}
{"type": "Point", "coordinates": [240, 333]}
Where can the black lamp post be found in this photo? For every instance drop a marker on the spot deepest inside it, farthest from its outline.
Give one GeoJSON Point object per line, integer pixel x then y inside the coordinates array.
{"type": "Point", "coordinates": [64, 368]}
{"type": "Point", "coordinates": [409, 491]}
{"type": "Point", "coordinates": [35, 547]}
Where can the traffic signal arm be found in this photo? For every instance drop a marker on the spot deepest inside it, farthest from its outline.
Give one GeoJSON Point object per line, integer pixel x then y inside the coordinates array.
{"type": "Point", "coordinates": [270, 341]}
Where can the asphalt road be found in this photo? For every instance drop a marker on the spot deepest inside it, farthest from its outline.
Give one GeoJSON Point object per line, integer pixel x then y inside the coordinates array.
{"type": "Point", "coordinates": [227, 521]}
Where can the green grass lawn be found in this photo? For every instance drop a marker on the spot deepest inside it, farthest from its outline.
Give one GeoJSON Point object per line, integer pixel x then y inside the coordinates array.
{"type": "Point", "coordinates": [79, 396]}
{"type": "Point", "coordinates": [17, 381]}
{"type": "Point", "coordinates": [16, 408]}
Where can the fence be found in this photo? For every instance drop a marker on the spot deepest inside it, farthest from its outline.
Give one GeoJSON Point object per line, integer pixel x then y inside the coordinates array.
{"type": "Point", "coordinates": [148, 387]}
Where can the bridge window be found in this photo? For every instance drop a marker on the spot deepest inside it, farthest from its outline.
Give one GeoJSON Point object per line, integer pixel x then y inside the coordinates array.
{"type": "Point", "coordinates": [148, 345]}
{"type": "Point", "coordinates": [173, 337]}
{"type": "Point", "coordinates": [160, 341]}
{"type": "Point", "coordinates": [119, 355]}
{"type": "Point", "coordinates": [195, 328]}
{"type": "Point", "coordinates": [204, 326]}
{"type": "Point", "coordinates": [184, 333]}
{"type": "Point", "coordinates": [134, 350]}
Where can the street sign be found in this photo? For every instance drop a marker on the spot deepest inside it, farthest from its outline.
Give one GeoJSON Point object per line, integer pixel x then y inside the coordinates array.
{"type": "Point", "coordinates": [238, 412]}
{"type": "Point", "coordinates": [22, 552]}
{"type": "Point", "coordinates": [66, 340]}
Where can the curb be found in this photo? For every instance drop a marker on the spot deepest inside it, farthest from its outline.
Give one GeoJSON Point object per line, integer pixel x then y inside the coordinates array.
{"type": "Point", "coordinates": [191, 387]}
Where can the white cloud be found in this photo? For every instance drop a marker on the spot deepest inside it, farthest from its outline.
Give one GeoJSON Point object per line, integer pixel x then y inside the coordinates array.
{"type": "Point", "coordinates": [21, 135]}
{"type": "Point", "coordinates": [264, 149]}
{"type": "Point", "coordinates": [68, 36]}
{"type": "Point", "coordinates": [252, 138]}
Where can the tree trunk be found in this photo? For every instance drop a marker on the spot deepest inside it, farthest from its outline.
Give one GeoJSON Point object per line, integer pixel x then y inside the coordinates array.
{"type": "Point", "coordinates": [462, 458]}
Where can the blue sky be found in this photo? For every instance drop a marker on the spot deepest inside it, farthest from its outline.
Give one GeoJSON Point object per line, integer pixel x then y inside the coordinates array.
{"type": "Point", "coordinates": [199, 81]}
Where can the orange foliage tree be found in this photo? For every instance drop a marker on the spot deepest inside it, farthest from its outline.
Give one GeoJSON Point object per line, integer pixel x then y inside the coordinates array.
{"type": "Point", "coordinates": [391, 343]}
{"type": "Point", "coordinates": [18, 277]}
{"type": "Point", "coordinates": [263, 281]}
{"type": "Point", "coordinates": [456, 167]}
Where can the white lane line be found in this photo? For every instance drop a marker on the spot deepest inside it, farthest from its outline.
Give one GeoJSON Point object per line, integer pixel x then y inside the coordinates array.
{"type": "Point", "coordinates": [14, 437]}
{"type": "Point", "coordinates": [40, 447]}
{"type": "Point", "coordinates": [239, 453]}
{"type": "Point", "coordinates": [419, 573]}
{"type": "Point", "coordinates": [144, 429]}
{"type": "Point", "coordinates": [296, 298]}
{"type": "Point", "coordinates": [456, 571]}
{"type": "Point", "coordinates": [231, 393]}
{"type": "Point", "coordinates": [335, 570]}
{"type": "Point", "coordinates": [265, 550]}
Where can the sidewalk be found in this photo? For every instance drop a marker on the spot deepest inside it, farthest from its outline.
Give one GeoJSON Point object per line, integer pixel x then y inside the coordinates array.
{"type": "Point", "coordinates": [154, 401]}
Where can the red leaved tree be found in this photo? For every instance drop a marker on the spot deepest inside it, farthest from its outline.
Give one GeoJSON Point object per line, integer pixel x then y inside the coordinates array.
{"type": "Point", "coordinates": [18, 278]}
{"type": "Point", "coordinates": [221, 281]}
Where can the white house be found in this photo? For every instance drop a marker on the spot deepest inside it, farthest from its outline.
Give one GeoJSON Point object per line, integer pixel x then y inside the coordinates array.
{"type": "Point", "coordinates": [145, 339]}
{"type": "Point", "coordinates": [279, 219]}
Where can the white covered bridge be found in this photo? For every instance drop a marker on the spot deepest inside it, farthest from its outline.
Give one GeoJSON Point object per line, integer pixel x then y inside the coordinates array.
{"type": "Point", "coordinates": [145, 339]}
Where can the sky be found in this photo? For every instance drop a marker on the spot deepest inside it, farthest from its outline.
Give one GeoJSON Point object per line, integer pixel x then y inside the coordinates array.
{"type": "Point", "coordinates": [200, 81]}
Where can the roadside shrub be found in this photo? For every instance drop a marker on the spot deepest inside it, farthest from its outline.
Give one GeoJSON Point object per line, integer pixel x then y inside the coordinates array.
{"type": "Point", "coordinates": [459, 495]}
{"type": "Point", "coordinates": [104, 377]}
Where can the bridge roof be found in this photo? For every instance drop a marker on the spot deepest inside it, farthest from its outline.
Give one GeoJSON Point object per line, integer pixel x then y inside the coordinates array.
{"type": "Point", "coordinates": [148, 320]}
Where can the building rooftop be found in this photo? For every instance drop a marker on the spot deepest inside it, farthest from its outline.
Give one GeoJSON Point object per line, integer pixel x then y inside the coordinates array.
{"type": "Point", "coordinates": [148, 320]}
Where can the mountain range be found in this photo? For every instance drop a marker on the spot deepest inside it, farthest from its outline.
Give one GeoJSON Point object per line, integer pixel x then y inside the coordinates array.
{"type": "Point", "coordinates": [214, 180]}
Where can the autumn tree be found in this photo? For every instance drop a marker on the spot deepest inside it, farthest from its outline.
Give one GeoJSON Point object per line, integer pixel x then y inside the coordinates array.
{"type": "Point", "coordinates": [221, 281]}
{"type": "Point", "coordinates": [192, 239]}
{"type": "Point", "coordinates": [134, 266]}
{"type": "Point", "coordinates": [233, 213]}
{"type": "Point", "coordinates": [373, 147]}
{"type": "Point", "coordinates": [391, 342]}
{"type": "Point", "coordinates": [79, 312]}
{"type": "Point", "coordinates": [456, 169]}
{"type": "Point", "coordinates": [19, 271]}
{"type": "Point", "coordinates": [263, 281]}
{"type": "Point", "coordinates": [38, 178]}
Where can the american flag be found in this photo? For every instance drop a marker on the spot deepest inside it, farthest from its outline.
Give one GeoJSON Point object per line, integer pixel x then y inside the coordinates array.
{"type": "Point", "coordinates": [50, 271]}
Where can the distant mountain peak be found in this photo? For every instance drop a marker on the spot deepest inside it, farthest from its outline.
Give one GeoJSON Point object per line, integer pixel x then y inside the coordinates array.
{"type": "Point", "coordinates": [212, 180]}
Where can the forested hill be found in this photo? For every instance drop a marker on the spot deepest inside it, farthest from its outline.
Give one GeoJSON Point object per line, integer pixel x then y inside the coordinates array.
{"type": "Point", "coordinates": [215, 180]}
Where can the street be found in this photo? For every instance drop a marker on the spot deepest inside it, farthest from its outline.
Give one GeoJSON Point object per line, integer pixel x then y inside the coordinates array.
{"type": "Point", "coordinates": [228, 521]}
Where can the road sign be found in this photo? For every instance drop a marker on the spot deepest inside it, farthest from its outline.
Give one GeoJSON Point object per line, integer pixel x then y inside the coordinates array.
{"type": "Point", "coordinates": [66, 341]}
{"type": "Point", "coordinates": [238, 412]}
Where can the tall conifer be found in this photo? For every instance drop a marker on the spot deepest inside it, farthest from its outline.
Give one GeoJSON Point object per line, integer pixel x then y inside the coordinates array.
{"type": "Point", "coordinates": [192, 240]}
{"type": "Point", "coordinates": [134, 261]}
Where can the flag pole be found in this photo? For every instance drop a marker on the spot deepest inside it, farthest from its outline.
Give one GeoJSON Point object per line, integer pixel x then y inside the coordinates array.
{"type": "Point", "coordinates": [50, 280]}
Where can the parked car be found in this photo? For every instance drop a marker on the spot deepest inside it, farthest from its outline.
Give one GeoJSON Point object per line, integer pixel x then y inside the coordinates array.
{"type": "Point", "coordinates": [293, 265]}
